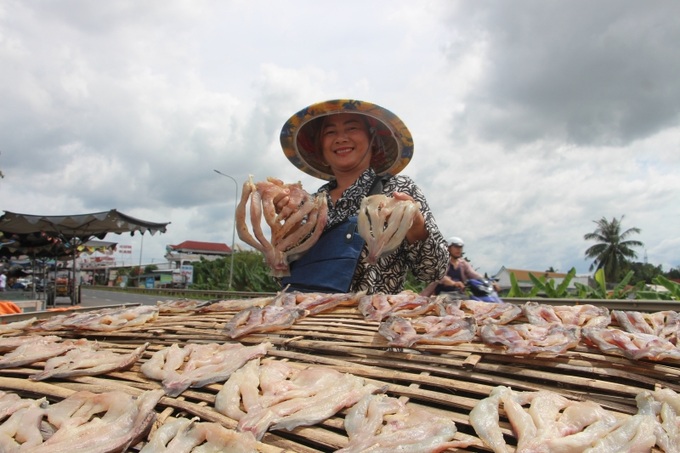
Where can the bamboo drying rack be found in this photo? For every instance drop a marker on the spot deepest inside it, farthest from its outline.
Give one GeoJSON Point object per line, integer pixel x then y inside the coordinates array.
{"type": "Point", "coordinates": [449, 380]}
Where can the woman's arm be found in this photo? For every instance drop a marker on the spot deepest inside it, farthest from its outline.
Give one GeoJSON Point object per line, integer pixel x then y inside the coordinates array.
{"type": "Point", "coordinates": [467, 272]}
{"type": "Point", "coordinates": [427, 252]}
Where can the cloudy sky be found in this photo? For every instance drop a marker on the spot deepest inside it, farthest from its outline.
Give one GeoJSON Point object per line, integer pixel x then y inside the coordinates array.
{"type": "Point", "coordinates": [531, 119]}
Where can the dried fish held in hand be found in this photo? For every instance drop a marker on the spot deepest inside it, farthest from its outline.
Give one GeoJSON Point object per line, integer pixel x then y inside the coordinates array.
{"type": "Point", "coordinates": [293, 232]}
{"type": "Point", "coordinates": [383, 223]}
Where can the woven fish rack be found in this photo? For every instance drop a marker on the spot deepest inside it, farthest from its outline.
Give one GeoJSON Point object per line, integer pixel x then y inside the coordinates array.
{"type": "Point", "coordinates": [450, 380]}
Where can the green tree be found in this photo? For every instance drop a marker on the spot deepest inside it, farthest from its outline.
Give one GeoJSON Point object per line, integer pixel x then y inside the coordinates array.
{"type": "Point", "coordinates": [613, 249]}
{"type": "Point", "coordinates": [600, 291]}
{"type": "Point", "coordinates": [673, 274]}
{"type": "Point", "coordinates": [644, 272]}
{"type": "Point", "coordinates": [250, 274]}
{"type": "Point", "coordinates": [672, 290]}
{"type": "Point", "coordinates": [211, 274]}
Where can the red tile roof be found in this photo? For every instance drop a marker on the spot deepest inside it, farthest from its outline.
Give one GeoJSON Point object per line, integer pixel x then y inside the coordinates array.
{"type": "Point", "coordinates": [201, 247]}
{"type": "Point", "coordinates": [523, 275]}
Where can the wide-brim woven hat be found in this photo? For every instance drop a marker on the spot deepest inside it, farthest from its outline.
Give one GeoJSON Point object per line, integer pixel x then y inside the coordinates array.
{"type": "Point", "coordinates": [299, 141]}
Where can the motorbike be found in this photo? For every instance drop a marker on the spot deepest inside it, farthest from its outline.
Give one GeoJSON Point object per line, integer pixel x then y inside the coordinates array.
{"type": "Point", "coordinates": [477, 289]}
{"type": "Point", "coordinates": [482, 290]}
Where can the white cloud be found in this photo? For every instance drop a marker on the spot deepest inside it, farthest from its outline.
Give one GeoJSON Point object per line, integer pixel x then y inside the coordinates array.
{"type": "Point", "coordinates": [530, 120]}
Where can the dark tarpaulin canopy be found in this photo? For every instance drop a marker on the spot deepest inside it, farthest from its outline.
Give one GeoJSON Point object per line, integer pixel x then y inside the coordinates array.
{"type": "Point", "coordinates": [97, 246]}
{"type": "Point", "coordinates": [54, 235]}
{"type": "Point", "coordinates": [44, 236]}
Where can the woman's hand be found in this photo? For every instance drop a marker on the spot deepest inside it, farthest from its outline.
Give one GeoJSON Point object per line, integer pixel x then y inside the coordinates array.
{"type": "Point", "coordinates": [418, 231]}
{"type": "Point", "coordinates": [281, 204]}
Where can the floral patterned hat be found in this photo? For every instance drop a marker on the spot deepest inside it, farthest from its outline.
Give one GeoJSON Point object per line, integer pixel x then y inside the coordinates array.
{"type": "Point", "coordinates": [298, 137]}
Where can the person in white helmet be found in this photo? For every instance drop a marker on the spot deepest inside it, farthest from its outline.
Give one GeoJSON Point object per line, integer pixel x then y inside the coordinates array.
{"type": "Point", "coordinates": [458, 271]}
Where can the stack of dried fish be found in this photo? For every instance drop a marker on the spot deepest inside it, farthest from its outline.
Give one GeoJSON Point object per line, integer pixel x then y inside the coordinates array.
{"type": "Point", "coordinates": [293, 232]}
{"type": "Point", "coordinates": [338, 377]}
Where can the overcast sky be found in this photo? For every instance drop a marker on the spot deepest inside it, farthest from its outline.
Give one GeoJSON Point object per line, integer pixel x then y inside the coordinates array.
{"type": "Point", "coordinates": [531, 119]}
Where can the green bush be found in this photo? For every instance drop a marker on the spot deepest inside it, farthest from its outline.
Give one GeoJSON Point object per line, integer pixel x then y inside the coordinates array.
{"type": "Point", "coordinates": [251, 274]}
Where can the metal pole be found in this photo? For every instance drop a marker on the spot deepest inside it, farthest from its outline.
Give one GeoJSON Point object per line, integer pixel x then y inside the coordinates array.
{"type": "Point", "coordinates": [139, 269]}
{"type": "Point", "coordinates": [141, 249]}
{"type": "Point", "coordinates": [233, 230]}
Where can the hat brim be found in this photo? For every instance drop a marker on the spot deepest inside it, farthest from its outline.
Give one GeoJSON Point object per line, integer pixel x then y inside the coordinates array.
{"type": "Point", "coordinates": [298, 137]}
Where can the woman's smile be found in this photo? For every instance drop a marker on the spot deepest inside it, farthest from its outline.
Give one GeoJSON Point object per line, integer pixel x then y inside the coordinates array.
{"type": "Point", "coordinates": [345, 142]}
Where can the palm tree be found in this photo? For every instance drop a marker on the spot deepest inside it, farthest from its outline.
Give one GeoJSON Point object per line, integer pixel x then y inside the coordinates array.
{"type": "Point", "coordinates": [612, 250]}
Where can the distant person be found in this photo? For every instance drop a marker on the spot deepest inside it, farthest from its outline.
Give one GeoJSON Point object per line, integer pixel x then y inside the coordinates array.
{"type": "Point", "coordinates": [3, 281]}
{"type": "Point", "coordinates": [458, 271]}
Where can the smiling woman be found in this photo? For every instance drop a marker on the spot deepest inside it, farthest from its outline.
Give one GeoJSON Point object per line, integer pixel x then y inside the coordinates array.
{"type": "Point", "coordinates": [392, 141]}
{"type": "Point", "coordinates": [360, 148]}
{"type": "Point", "coordinates": [339, 136]}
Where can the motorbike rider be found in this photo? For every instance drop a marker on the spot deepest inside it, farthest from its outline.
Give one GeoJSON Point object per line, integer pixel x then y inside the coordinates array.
{"type": "Point", "coordinates": [458, 271]}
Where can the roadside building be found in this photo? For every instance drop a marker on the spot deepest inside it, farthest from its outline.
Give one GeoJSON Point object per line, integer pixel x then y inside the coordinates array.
{"type": "Point", "coordinates": [525, 283]}
{"type": "Point", "coordinates": [189, 252]}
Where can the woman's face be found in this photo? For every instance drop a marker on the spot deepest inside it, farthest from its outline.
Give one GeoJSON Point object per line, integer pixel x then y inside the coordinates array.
{"type": "Point", "coordinates": [345, 143]}
{"type": "Point", "coordinates": [456, 251]}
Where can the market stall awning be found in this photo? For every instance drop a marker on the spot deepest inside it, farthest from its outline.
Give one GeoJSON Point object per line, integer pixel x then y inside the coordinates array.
{"type": "Point", "coordinates": [97, 246]}
{"type": "Point", "coordinates": [96, 224]}
{"type": "Point", "coordinates": [54, 235]}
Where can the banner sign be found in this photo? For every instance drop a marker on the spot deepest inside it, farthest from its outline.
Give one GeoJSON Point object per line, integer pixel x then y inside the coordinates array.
{"type": "Point", "coordinates": [187, 272]}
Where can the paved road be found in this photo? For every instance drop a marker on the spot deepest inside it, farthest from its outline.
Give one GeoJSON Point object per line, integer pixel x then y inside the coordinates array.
{"type": "Point", "coordinates": [95, 298]}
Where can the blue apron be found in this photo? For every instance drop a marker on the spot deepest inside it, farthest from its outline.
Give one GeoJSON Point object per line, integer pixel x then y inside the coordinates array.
{"type": "Point", "coordinates": [328, 267]}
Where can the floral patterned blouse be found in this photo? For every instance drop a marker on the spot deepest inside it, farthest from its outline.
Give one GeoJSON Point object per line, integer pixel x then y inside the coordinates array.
{"type": "Point", "coordinates": [426, 259]}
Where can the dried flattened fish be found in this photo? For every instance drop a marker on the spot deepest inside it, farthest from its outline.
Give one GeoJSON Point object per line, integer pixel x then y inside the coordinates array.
{"type": "Point", "coordinates": [182, 434]}
{"type": "Point", "coordinates": [88, 361]}
{"type": "Point", "coordinates": [277, 395]}
{"type": "Point", "coordinates": [17, 326]}
{"type": "Point", "coordinates": [376, 307]}
{"type": "Point", "coordinates": [104, 320]}
{"type": "Point", "coordinates": [11, 343]}
{"type": "Point", "coordinates": [552, 422]}
{"type": "Point", "coordinates": [41, 349]}
{"type": "Point", "coordinates": [444, 330]}
{"type": "Point", "coordinates": [197, 365]}
{"type": "Point", "coordinates": [262, 319]}
{"type": "Point", "coordinates": [525, 338]}
{"type": "Point", "coordinates": [383, 424]}
{"type": "Point", "coordinates": [21, 431]}
{"type": "Point", "coordinates": [632, 345]}
{"type": "Point", "coordinates": [105, 422]}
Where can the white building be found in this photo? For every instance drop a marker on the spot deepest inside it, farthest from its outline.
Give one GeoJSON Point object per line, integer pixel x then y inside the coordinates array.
{"type": "Point", "coordinates": [189, 252]}
{"type": "Point", "coordinates": [525, 283]}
